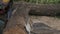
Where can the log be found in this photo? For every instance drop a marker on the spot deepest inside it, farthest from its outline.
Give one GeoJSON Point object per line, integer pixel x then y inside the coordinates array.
{"type": "Point", "coordinates": [46, 10]}
{"type": "Point", "coordinates": [16, 24]}
{"type": "Point", "coordinates": [42, 9]}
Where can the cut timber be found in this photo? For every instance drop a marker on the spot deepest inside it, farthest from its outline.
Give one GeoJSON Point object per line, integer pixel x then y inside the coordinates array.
{"type": "Point", "coordinates": [42, 9]}
{"type": "Point", "coordinates": [46, 10]}
{"type": "Point", "coordinates": [16, 25]}
{"type": "Point", "coordinates": [44, 25]}
{"type": "Point", "coordinates": [50, 21]}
